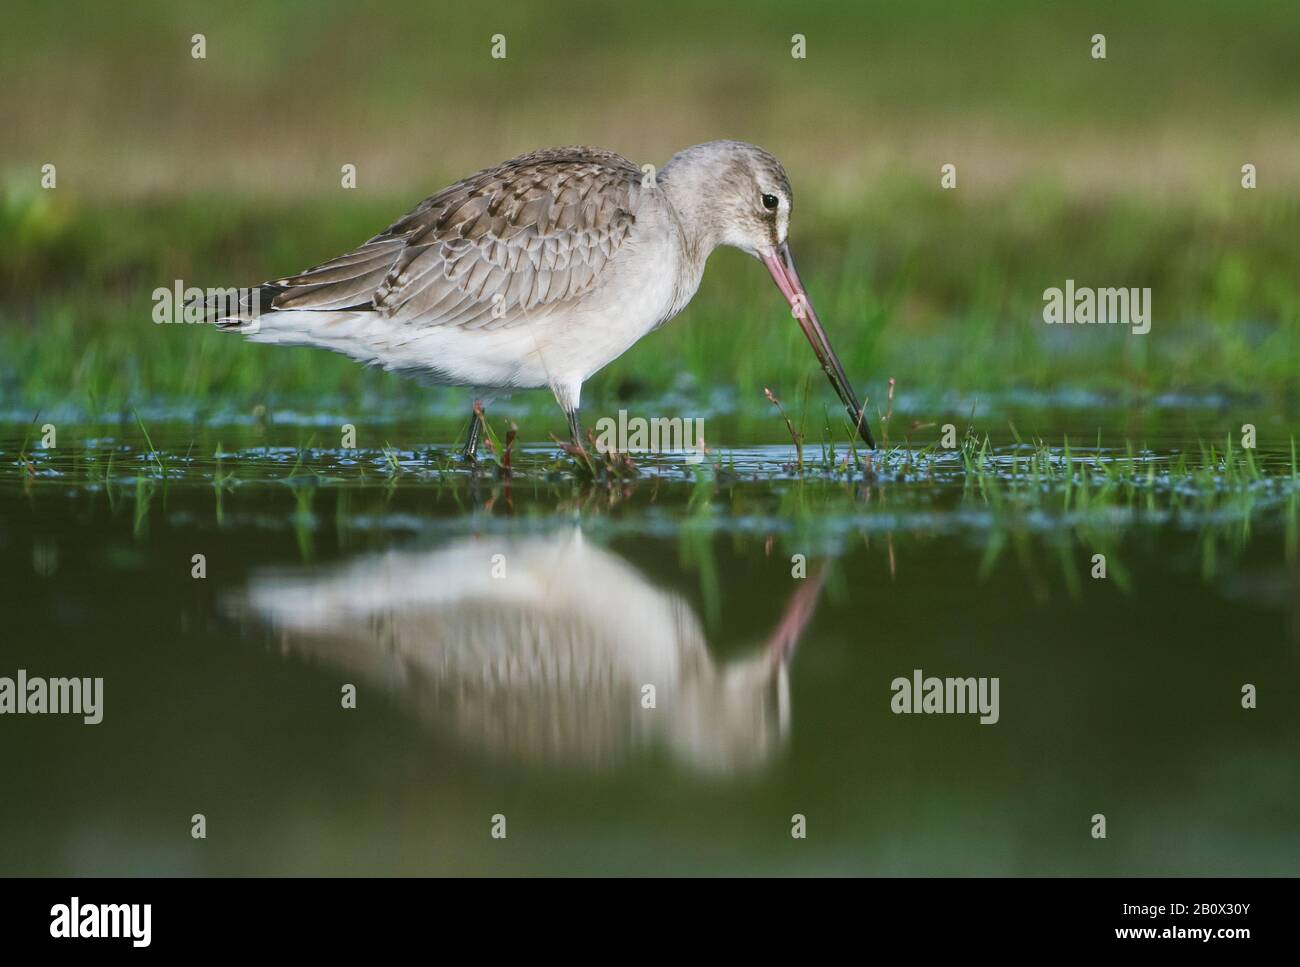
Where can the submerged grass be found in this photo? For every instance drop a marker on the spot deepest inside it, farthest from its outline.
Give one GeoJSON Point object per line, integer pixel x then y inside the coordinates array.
{"type": "Point", "coordinates": [1034, 506]}
{"type": "Point", "coordinates": [994, 491]}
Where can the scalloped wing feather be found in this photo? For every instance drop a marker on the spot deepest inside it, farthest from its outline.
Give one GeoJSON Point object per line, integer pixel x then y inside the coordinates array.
{"type": "Point", "coordinates": [524, 238]}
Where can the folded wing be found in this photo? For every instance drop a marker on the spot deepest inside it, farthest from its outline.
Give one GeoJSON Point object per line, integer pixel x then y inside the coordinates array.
{"type": "Point", "coordinates": [504, 245]}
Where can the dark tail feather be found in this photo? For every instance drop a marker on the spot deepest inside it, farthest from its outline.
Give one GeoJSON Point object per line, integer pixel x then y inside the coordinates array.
{"type": "Point", "coordinates": [234, 310]}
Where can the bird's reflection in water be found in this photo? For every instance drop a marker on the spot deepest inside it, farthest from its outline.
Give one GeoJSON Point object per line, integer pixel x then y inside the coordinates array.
{"type": "Point", "coordinates": [549, 662]}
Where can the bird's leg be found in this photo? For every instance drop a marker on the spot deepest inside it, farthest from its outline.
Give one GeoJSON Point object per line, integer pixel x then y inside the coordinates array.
{"type": "Point", "coordinates": [567, 393]}
{"type": "Point", "coordinates": [575, 426]}
{"type": "Point", "coordinates": [473, 433]}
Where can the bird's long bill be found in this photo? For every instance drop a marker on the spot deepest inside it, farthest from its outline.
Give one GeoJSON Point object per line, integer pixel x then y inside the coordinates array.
{"type": "Point", "coordinates": [780, 263]}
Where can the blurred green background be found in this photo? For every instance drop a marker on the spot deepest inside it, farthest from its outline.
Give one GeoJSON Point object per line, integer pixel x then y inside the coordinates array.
{"type": "Point", "coordinates": [1122, 695]}
{"type": "Point", "coordinates": [226, 171]}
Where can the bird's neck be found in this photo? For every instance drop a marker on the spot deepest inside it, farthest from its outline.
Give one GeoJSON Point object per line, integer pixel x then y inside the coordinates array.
{"type": "Point", "coordinates": [687, 187]}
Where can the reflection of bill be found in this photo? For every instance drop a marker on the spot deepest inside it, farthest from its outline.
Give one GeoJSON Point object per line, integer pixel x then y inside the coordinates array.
{"type": "Point", "coordinates": [549, 662]}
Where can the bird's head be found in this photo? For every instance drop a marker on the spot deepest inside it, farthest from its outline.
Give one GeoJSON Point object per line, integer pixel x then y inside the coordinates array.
{"type": "Point", "coordinates": [734, 193]}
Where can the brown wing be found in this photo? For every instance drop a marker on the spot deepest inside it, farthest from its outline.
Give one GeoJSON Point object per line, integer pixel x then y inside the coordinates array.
{"type": "Point", "coordinates": [522, 238]}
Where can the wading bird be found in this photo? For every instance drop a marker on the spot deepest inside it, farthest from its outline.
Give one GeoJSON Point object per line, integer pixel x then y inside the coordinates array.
{"type": "Point", "coordinates": [540, 271]}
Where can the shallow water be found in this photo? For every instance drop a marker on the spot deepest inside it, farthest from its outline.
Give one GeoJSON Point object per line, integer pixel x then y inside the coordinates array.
{"type": "Point", "coordinates": [523, 695]}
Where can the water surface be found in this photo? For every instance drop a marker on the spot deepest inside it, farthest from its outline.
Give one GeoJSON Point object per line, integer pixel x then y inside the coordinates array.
{"type": "Point", "coordinates": [522, 694]}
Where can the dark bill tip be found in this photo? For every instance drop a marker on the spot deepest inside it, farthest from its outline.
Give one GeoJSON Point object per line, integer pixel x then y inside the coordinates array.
{"type": "Point", "coordinates": [780, 263]}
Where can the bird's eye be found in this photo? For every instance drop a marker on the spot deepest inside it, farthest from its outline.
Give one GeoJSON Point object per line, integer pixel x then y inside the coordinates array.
{"type": "Point", "coordinates": [770, 202]}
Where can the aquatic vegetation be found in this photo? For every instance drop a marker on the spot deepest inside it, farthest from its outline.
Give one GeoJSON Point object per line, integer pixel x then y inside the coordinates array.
{"type": "Point", "coordinates": [996, 493]}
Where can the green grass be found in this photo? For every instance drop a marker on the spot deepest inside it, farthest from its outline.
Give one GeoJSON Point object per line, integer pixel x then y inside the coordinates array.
{"type": "Point", "coordinates": [224, 171]}
{"type": "Point", "coordinates": [943, 294]}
